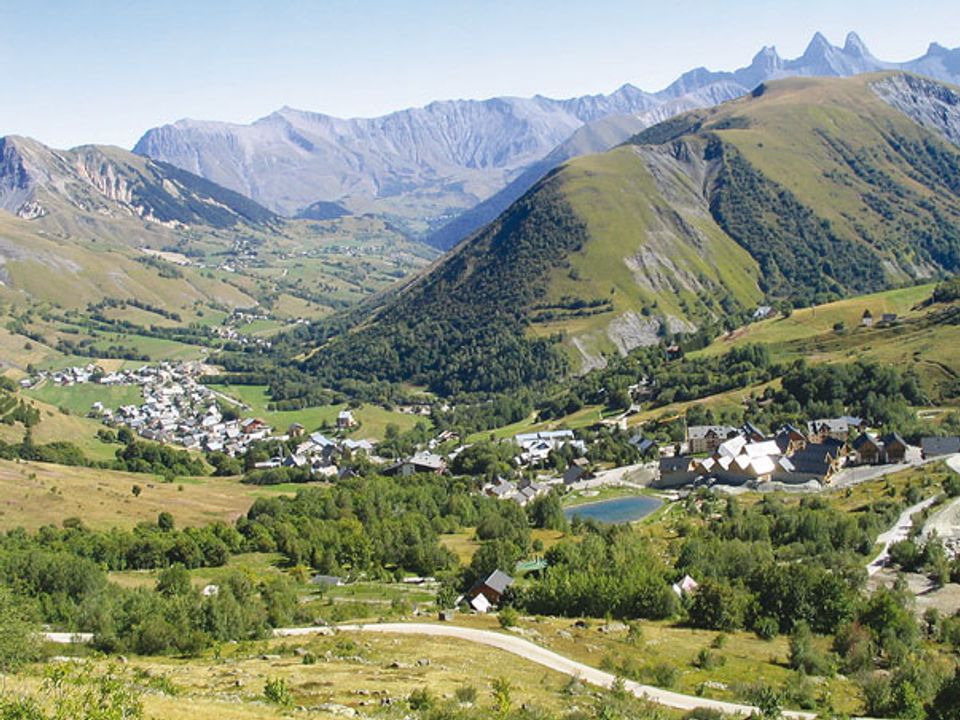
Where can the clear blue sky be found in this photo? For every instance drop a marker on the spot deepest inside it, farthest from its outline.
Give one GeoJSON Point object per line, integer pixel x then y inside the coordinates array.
{"type": "Point", "coordinates": [77, 71]}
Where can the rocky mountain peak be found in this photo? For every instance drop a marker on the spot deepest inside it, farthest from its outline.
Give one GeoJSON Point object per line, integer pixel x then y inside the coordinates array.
{"type": "Point", "coordinates": [853, 45]}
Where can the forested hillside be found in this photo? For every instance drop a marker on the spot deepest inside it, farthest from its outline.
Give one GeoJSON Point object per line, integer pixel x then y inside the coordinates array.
{"type": "Point", "coordinates": [806, 191]}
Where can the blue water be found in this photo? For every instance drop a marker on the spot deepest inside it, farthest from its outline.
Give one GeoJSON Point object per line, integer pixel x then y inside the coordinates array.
{"type": "Point", "coordinates": [618, 510]}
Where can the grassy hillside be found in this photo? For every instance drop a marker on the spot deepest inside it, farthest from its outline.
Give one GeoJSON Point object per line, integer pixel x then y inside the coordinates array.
{"type": "Point", "coordinates": [805, 192]}
{"type": "Point", "coordinates": [925, 336]}
{"type": "Point", "coordinates": [37, 494]}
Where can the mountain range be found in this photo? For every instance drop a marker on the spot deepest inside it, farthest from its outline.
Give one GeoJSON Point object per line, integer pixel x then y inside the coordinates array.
{"type": "Point", "coordinates": [88, 223]}
{"type": "Point", "coordinates": [804, 190]}
{"type": "Point", "coordinates": [444, 170]}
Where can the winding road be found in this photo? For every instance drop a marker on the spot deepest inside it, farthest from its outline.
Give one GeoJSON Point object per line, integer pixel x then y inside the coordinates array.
{"type": "Point", "coordinates": [534, 653]}
{"type": "Point", "coordinates": [900, 531]}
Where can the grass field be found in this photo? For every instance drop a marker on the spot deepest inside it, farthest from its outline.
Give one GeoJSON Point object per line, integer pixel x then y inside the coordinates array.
{"type": "Point", "coordinates": [372, 418]}
{"type": "Point", "coordinates": [359, 673]}
{"type": "Point", "coordinates": [56, 426]}
{"type": "Point", "coordinates": [464, 544]}
{"type": "Point", "coordinates": [258, 566]}
{"type": "Point", "coordinates": [79, 398]}
{"type": "Point", "coordinates": [819, 320]}
{"type": "Point", "coordinates": [37, 494]}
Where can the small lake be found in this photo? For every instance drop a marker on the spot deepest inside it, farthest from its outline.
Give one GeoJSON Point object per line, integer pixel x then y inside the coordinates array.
{"type": "Point", "coordinates": [615, 511]}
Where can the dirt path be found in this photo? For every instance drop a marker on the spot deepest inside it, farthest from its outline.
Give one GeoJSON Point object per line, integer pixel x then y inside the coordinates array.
{"type": "Point", "coordinates": [900, 531]}
{"type": "Point", "coordinates": [547, 658]}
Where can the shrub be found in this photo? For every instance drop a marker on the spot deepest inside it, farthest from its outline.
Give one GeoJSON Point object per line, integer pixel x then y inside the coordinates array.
{"type": "Point", "coordinates": [709, 660]}
{"type": "Point", "coordinates": [277, 692]}
{"type": "Point", "coordinates": [767, 628]}
{"type": "Point", "coordinates": [508, 617]}
{"type": "Point", "coordinates": [663, 674]}
{"type": "Point", "coordinates": [466, 694]}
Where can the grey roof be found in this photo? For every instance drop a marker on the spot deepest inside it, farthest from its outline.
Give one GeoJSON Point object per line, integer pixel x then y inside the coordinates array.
{"type": "Point", "coordinates": [863, 439]}
{"type": "Point", "coordinates": [696, 432]}
{"type": "Point", "coordinates": [815, 458]}
{"type": "Point", "coordinates": [934, 446]}
{"type": "Point", "coordinates": [498, 581]}
{"type": "Point", "coordinates": [893, 437]}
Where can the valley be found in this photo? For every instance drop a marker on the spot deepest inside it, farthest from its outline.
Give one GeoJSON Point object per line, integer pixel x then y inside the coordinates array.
{"type": "Point", "coordinates": [638, 405]}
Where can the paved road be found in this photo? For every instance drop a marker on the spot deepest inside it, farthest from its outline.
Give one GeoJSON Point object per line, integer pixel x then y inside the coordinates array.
{"type": "Point", "coordinates": [855, 475]}
{"type": "Point", "coordinates": [900, 531]}
{"type": "Point", "coordinates": [547, 658]}
{"type": "Point", "coordinates": [946, 521]}
{"type": "Point", "coordinates": [516, 646]}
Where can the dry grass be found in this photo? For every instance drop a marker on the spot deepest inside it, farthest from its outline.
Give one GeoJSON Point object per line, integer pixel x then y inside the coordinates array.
{"type": "Point", "coordinates": [37, 494]}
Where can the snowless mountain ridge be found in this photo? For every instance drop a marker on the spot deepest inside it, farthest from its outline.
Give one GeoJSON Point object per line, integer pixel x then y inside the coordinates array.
{"type": "Point", "coordinates": [423, 167]}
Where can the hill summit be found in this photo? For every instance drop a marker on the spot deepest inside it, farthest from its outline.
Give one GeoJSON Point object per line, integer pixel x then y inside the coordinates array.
{"type": "Point", "coordinates": [803, 191]}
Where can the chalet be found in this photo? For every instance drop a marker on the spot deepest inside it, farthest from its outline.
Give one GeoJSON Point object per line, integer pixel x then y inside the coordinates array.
{"type": "Point", "coordinates": [839, 428]}
{"type": "Point", "coordinates": [252, 426]}
{"type": "Point", "coordinates": [790, 439]}
{"type": "Point", "coordinates": [752, 432]}
{"type": "Point", "coordinates": [345, 420]}
{"type": "Point", "coordinates": [642, 444]}
{"type": "Point", "coordinates": [296, 430]}
{"type": "Point", "coordinates": [355, 445]}
{"type": "Point", "coordinates": [675, 471]}
{"type": "Point", "coordinates": [707, 438]}
{"type": "Point", "coordinates": [422, 462]}
{"type": "Point", "coordinates": [487, 593]}
{"type": "Point", "coordinates": [866, 320]}
{"type": "Point", "coordinates": [686, 586]}
{"type": "Point", "coordinates": [869, 449]}
{"type": "Point", "coordinates": [818, 461]}
{"type": "Point", "coordinates": [895, 448]}
{"type": "Point", "coordinates": [938, 446]}
{"type": "Point", "coordinates": [574, 474]}
{"type": "Point", "coordinates": [762, 312]}
{"type": "Point", "coordinates": [888, 318]}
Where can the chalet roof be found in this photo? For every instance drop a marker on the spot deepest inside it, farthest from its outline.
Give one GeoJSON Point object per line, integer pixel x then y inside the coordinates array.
{"type": "Point", "coordinates": [816, 458]}
{"type": "Point", "coordinates": [935, 446]}
{"type": "Point", "coordinates": [498, 581]}
{"type": "Point", "coordinates": [699, 432]}
{"type": "Point", "coordinates": [762, 449]}
{"type": "Point", "coordinates": [865, 439]}
{"type": "Point", "coordinates": [892, 438]}
{"type": "Point", "coordinates": [679, 463]}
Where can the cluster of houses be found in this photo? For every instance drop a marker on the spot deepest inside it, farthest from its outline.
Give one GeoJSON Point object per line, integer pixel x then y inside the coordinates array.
{"type": "Point", "coordinates": [737, 456]}
{"type": "Point", "coordinates": [321, 454]}
{"type": "Point", "coordinates": [520, 492]}
{"type": "Point", "coordinates": [536, 447]}
{"type": "Point", "coordinates": [180, 410]}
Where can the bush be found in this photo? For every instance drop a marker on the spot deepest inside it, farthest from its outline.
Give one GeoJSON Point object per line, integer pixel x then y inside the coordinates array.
{"type": "Point", "coordinates": [767, 628]}
{"type": "Point", "coordinates": [465, 694]}
{"type": "Point", "coordinates": [803, 655]}
{"type": "Point", "coordinates": [508, 617]}
{"type": "Point", "coordinates": [663, 674]}
{"type": "Point", "coordinates": [277, 692]}
{"type": "Point", "coordinates": [709, 660]}
{"type": "Point", "coordinates": [420, 700]}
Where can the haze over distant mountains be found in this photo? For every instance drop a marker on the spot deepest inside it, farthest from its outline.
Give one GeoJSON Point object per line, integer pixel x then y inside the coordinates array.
{"type": "Point", "coordinates": [444, 170]}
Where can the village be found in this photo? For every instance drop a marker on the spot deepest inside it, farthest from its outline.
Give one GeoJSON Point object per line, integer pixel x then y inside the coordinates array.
{"type": "Point", "coordinates": [179, 409]}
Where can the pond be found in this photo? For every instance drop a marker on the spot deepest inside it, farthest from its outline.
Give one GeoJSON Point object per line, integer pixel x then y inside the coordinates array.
{"type": "Point", "coordinates": [615, 511]}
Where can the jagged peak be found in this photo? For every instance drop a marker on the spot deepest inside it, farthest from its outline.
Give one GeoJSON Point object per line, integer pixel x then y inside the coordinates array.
{"type": "Point", "coordinates": [818, 46]}
{"type": "Point", "coordinates": [855, 46]}
{"type": "Point", "coordinates": [936, 48]}
{"type": "Point", "coordinates": [767, 57]}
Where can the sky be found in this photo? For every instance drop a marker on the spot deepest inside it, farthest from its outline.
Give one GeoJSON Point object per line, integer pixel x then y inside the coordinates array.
{"type": "Point", "coordinates": [104, 71]}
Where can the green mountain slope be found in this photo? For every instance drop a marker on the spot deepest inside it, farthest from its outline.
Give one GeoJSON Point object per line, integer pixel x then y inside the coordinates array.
{"type": "Point", "coordinates": [78, 226]}
{"type": "Point", "coordinates": [806, 191]}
